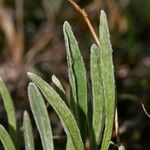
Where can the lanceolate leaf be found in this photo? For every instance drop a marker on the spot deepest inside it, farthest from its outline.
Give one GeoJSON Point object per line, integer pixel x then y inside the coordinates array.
{"type": "Point", "coordinates": [57, 83]}
{"type": "Point", "coordinates": [98, 98]}
{"type": "Point", "coordinates": [69, 145]}
{"type": "Point", "coordinates": [107, 74]}
{"type": "Point", "coordinates": [41, 117]}
{"type": "Point", "coordinates": [59, 89]}
{"type": "Point", "coordinates": [61, 109]}
{"type": "Point", "coordinates": [6, 139]}
{"type": "Point", "coordinates": [9, 107]}
{"type": "Point", "coordinates": [77, 71]}
{"type": "Point", "coordinates": [73, 102]}
{"type": "Point", "coordinates": [28, 134]}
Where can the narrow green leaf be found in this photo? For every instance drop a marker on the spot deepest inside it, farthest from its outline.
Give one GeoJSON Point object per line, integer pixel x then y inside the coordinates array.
{"type": "Point", "coordinates": [9, 107]}
{"type": "Point", "coordinates": [57, 83]}
{"type": "Point", "coordinates": [41, 117]}
{"type": "Point", "coordinates": [107, 74]}
{"type": "Point", "coordinates": [77, 76]}
{"type": "Point", "coordinates": [73, 102]}
{"type": "Point", "coordinates": [61, 109]}
{"type": "Point", "coordinates": [98, 98]}
{"type": "Point", "coordinates": [28, 134]}
{"type": "Point", "coordinates": [57, 86]}
{"type": "Point", "coordinates": [6, 139]}
{"type": "Point", "coordinates": [69, 145]}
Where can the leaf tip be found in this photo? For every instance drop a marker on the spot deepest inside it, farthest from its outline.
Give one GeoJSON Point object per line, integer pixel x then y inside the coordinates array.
{"type": "Point", "coordinates": [53, 77]}
{"type": "Point", "coordinates": [103, 17]}
{"type": "Point", "coordinates": [66, 27]}
{"type": "Point", "coordinates": [103, 13]}
{"type": "Point", "coordinates": [31, 85]}
{"type": "Point", "coordinates": [94, 46]}
{"type": "Point", "coordinates": [29, 74]}
{"type": "Point", "coordinates": [25, 115]}
{"type": "Point", "coordinates": [94, 49]}
{"type": "Point", "coordinates": [66, 24]}
{"type": "Point", "coordinates": [25, 112]}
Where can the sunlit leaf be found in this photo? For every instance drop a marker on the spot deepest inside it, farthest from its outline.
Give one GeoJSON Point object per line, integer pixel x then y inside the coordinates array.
{"type": "Point", "coordinates": [57, 83]}
{"type": "Point", "coordinates": [28, 134]}
{"type": "Point", "coordinates": [41, 117]}
{"type": "Point", "coordinates": [77, 77]}
{"type": "Point", "coordinates": [98, 97]}
{"type": "Point", "coordinates": [9, 107]}
{"type": "Point", "coordinates": [61, 109]}
{"type": "Point", "coordinates": [6, 139]}
{"type": "Point", "coordinates": [108, 82]}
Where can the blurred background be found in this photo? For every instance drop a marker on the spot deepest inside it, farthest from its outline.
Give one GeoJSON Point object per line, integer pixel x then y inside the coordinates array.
{"type": "Point", "coordinates": [31, 39]}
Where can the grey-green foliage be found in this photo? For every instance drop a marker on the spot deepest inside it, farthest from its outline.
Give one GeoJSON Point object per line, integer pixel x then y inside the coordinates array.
{"type": "Point", "coordinates": [73, 113]}
{"type": "Point", "coordinates": [6, 139]}
{"type": "Point", "coordinates": [57, 83]}
{"type": "Point", "coordinates": [40, 114]}
{"type": "Point", "coordinates": [78, 74]}
{"type": "Point", "coordinates": [27, 130]}
{"type": "Point", "coordinates": [9, 107]}
{"type": "Point", "coordinates": [107, 77]}
{"type": "Point", "coordinates": [103, 91]}
{"type": "Point", "coordinates": [61, 109]}
{"type": "Point", "coordinates": [98, 97]}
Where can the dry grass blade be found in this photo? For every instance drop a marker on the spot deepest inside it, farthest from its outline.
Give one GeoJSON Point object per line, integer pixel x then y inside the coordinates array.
{"type": "Point", "coordinates": [7, 25]}
{"type": "Point", "coordinates": [19, 40]}
{"type": "Point", "coordinates": [85, 16]}
{"type": "Point", "coordinates": [43, 37]}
